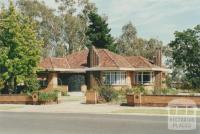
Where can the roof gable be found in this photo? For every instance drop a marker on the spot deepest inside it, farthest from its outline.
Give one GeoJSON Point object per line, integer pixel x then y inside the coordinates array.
{"type": "Point", "coordinates": [140, 62]}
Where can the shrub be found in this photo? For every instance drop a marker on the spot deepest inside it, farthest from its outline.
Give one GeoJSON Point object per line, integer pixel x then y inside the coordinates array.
{"type": "Point", "coordinates": [62, 90]}
{"type": "Point", "coordinates": [48, 96]}
{"type": "Point", "coordinates": [156, 91]}
{"type": "Point", "coordinates": [168, 91]}
{"type": "Point", "coordinates": [107, 93]}
{"type": "Point", "coordinates": [165, 91]}
{"type": "Point", "coordinates": [136, 90]}
{"type": "Point", "coordinates": [31, 84]}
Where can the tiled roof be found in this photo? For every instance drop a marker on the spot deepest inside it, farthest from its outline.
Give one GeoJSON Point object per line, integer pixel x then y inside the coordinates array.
{"type": "Point", "coordinates": [78, 60]}
{"type": "Point", "coordinates": [140, 62]}
{"type": "Point", "coordinates": [109, 59]}
{"type": "Point", "coordinates": [53, 62]}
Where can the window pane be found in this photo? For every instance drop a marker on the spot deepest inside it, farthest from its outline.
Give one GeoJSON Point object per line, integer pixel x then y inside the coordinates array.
{"type": "Point", "coordinates": [112, 78]}
{"type": "Point", "coordinates": [146, 73]}
{"type": "Point", "coordinates": [118, 78]}
{"type": "Point", "coordinates": [115, 78]}
{"type": "Point", "coordinates": [140, 78]}
{"type": "Point", "coordinates": [107, 79]}
{"type": "Point", "coordinates": [146, 79]}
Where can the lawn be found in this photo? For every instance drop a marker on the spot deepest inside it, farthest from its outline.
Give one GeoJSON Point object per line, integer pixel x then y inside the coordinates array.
{"type": "Point", "coordinates": [8, 107]}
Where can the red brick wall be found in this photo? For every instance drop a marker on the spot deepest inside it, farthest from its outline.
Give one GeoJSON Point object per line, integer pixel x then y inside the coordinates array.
{"type": "Point", "coordinates": [159, 100]}
{"type": "Point", "coordinates": [15, 99]}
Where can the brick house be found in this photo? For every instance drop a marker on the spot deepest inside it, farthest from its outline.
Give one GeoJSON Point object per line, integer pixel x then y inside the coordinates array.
{"type": "Point", "coordinates": [87, 69]}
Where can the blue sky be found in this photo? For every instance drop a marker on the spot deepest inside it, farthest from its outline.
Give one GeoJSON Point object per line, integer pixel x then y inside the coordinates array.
{"type": "Point", "coordinates": [152, 18]}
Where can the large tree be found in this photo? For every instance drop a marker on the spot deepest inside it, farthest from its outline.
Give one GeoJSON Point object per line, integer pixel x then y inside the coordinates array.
{"type": "Point", "coordinates": [62, 28]}
{"type": "Point", "coordinates": [49, 26]}
{"type": "Point", "coordinates": [130, 44]}
{"type": "Point", "coordinates": [19, 48]}
{"type": "Point", "coordinates": [99, 33]}
{"type": "Point", "coordinates": [186, 54]}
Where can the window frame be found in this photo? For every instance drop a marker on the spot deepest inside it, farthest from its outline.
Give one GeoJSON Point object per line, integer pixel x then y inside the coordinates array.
{"type": "Point", "coordinates": [115, 78]}
{"type": "Point", "coordinates": [142, 74]}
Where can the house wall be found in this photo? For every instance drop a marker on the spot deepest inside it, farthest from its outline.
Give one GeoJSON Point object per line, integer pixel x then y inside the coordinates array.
{"type": "Point", "coordinates": [131, 82]}
{"type": "Point", "coordinates": [94, 79]}
{"type": "Point", "coordinates": [158, 80]}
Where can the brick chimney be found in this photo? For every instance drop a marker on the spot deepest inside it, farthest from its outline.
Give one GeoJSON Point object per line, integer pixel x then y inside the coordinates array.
{"type": "Point", "coordinates": [93, 58]}
{"type": "Point", "coordinates": [158, 74]}
{"type": "Point", "coordinates": [93, 78]}
{"type": "Point", "coordinates": [158, 57]}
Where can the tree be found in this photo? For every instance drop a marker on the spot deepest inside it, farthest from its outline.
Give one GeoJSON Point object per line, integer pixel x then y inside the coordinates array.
{"type": "Point", "coordinates": [63, 28]}
{"type": "Point", "coordinates": [127, 41]}
{"type": "Point", "coordinates": [49, 26]}
{"type": "Point", "coordinates": [186, 54]}
{"type": "Point", "coordinates": [130, 44]}
{"type": "Point", "coordinates": [99, 33]}
{"type": "Point", "coordinates": [19, 48]}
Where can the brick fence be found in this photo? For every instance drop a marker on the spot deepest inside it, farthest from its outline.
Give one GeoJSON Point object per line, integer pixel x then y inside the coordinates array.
{"type": "Point", "coordinates": [16, 99]}
{"type": "Point", "coordinates": [158, 100]}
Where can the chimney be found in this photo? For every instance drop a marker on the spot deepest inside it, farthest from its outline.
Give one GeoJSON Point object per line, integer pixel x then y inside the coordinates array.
{"type": "Point", "coordinates": [158, 57]}
{"type": "Point", "coordinates": [93, 58]}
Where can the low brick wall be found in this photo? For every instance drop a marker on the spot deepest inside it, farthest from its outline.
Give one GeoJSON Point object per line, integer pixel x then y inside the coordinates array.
{"type": "Point", "coordinates": [16, 99]}
{"type": "Point", "coordinates": [158, 100]}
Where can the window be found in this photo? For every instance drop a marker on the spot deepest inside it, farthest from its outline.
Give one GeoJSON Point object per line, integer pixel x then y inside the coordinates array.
{"type": "Point", "coordinates": [114, 78]}
{"type": "Point", "coordinates": [144, 77]}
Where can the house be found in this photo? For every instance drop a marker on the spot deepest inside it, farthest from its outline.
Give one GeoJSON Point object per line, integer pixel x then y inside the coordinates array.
{"type": "Point", "coordinates": [89, 68]}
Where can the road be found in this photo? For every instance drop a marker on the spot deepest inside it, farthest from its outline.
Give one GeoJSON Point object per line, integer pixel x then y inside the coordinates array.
{"type": "Point", "coordinates": [43, 123]}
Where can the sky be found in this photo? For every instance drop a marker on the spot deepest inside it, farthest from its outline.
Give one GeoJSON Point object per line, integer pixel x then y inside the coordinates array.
{"type": "Point", "coordinates": [152, 18]}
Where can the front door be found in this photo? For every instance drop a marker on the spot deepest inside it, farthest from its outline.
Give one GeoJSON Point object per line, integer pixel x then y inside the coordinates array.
{"type": "Point", "coordinates": [75, 81]}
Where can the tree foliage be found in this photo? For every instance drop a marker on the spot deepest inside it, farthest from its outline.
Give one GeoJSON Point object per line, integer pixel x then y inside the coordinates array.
{"type": "Point", "coordinates": [186, 54]}
{"type": "Point", "coordinates": [99, 33]}
{"type": "Point", "coordinates": [130, 44]}
{"type": "Point", "coordinates": [19, 47]}
{"type": "Point", "coordinates": [62, 28]}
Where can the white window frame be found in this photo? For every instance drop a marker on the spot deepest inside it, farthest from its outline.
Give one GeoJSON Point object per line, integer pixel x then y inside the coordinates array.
{"type": "Point", "coordinates": [151, 74]}
{"type": "Point", "coordinates": [114, 77]}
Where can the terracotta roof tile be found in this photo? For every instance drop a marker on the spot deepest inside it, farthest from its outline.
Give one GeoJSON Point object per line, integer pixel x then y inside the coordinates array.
{"type": "Point", "coordinates": [78, 59]}
{"type": "Point", "coordinates": [53, 62]}
{"type": "Point", "coordinates": [106, 59]}
{"type": "Point", "coordinates": [140, 62]}
{"type": "Point", "coordinates": [110, 59]}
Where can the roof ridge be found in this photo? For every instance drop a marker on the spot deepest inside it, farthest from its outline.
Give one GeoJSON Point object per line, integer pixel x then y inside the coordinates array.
{"type": "Point", "coordinates": [127, 60]}
{"type": "Point", "coordinates": [66, 60]}
{"type": "Point", "coordinates": [51, 62]}
{"type": "Point", "coordinates": [110, 57]}
{"type": "Point", "coordinates": [145, 60]}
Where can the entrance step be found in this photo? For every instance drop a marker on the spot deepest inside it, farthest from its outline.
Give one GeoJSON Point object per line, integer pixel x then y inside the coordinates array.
{"type": "Point", "coordinates": [80, 94]}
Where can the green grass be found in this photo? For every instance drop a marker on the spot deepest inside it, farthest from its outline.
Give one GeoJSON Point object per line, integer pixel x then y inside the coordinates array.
{"type": "Point", "coordinates": [155, 111]}
{"type": "Point", "coordinates": [8, 107]}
